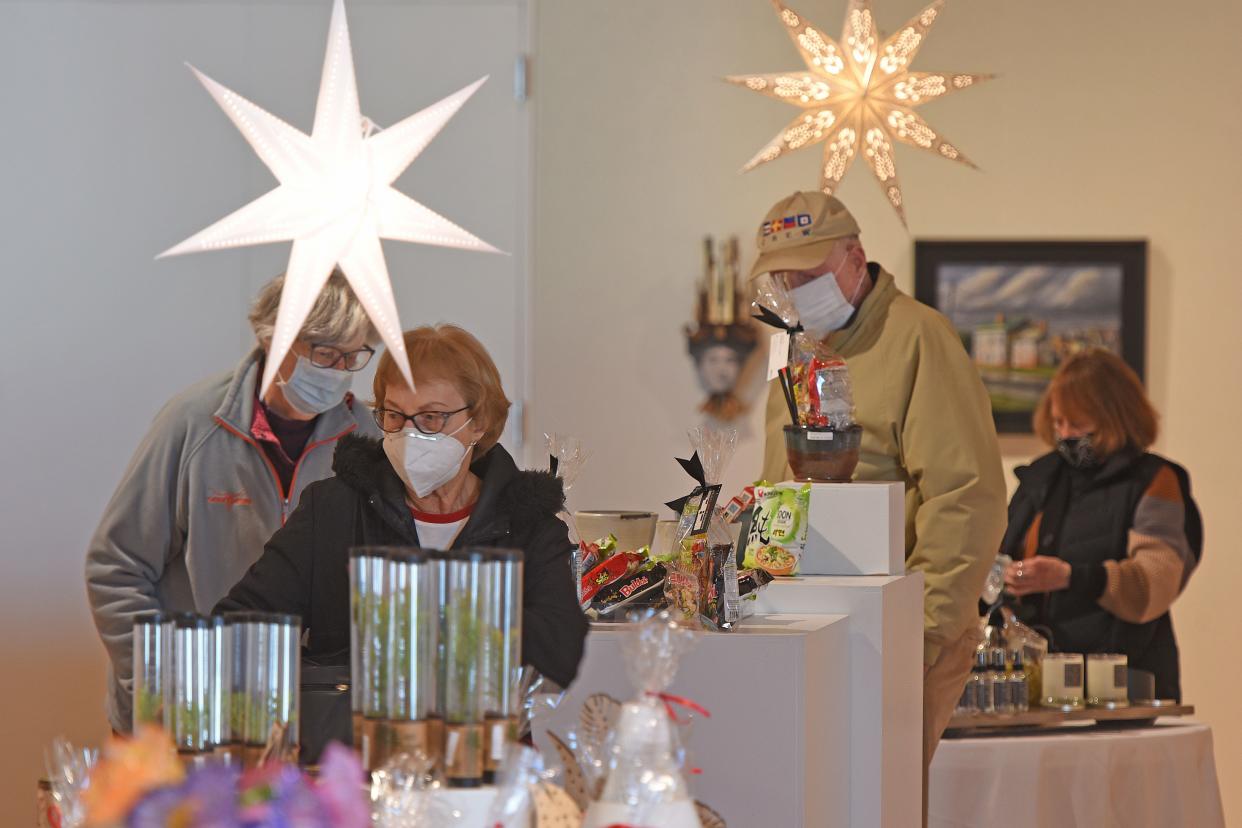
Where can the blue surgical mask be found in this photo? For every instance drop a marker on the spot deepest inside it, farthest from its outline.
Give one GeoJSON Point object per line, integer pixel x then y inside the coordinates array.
{"type": "Point", "coordinates": [313, 390]}
{"type": "Point", "coordinates": [822, 307]}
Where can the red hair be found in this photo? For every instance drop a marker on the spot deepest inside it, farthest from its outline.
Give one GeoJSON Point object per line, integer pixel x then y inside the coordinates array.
{"type": "Point", "coordinates": [1097, 386]}
{"type": "Point", "coordinates": [451, 354]}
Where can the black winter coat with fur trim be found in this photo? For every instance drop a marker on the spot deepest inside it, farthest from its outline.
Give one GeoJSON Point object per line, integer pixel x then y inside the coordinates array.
{"type": "Point", "coordinates": [304, 568]}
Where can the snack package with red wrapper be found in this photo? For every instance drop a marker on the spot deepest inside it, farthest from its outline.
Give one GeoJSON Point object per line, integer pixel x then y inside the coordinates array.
{"type": "Point", "coordinates": [609, 570]}
{"type": "Point", "coordinates": [821, 384]}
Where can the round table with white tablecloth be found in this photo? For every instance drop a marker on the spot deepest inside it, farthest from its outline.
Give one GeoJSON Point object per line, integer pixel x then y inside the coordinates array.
{"type": "Point", "coordinates": [1161, 776]}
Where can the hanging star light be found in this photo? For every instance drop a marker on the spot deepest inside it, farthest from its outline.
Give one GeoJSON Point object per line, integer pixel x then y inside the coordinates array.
{"type": "Point", "coordinates": [857, 94]}
{"type": "Point", "coordinates": [335, 199]}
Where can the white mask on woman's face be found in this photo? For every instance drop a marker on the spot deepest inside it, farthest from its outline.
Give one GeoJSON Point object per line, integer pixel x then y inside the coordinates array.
{"type": "Point", "coordinates": [426, 461]}
{"type": "Point", "coordinates": [822, 307]}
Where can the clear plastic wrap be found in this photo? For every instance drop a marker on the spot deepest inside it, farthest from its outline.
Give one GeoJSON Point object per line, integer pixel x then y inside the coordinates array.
{"type": "Point", "coordinates": [69, 776]}
{"type": "Point", "coordinates": [520, 770]}
{"type": "Point", "coordinates": [565, 460]}
{"type": "Point", "coordinates": [644, 784]}
{"type": "Point", "coordinates": [821, 384]}
{"type": "Point", "coordinates": [406, 793]}
{"type": "Point", "coordinates": [773, 296]}
{"type": "Point", "coordinates": [569, 456]}
{"type": "Point", "coordinates": [537, 696]}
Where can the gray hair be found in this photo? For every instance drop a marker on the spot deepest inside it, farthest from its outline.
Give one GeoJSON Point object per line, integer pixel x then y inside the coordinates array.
{"type": "Point", "coordinates": [336, 317]}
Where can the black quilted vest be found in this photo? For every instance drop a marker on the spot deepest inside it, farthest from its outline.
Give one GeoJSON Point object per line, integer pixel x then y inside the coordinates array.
{"type": "Point", "coordinates": [1095, 528]}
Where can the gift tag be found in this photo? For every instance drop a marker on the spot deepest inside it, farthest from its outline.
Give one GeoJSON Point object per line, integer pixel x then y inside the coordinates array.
{"type": "Point", "coordinates": [778, 353]}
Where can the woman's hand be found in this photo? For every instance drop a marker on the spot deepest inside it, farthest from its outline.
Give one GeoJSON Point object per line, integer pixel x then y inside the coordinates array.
{"type": "Point", "coordinates": [1042, 573]}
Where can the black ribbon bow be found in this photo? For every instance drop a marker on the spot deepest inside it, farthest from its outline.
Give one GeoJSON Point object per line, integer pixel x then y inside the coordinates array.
{"type": "Point", "coordinates": [770, 317]}
{"type": "Point", "coordinates": [694, 468]}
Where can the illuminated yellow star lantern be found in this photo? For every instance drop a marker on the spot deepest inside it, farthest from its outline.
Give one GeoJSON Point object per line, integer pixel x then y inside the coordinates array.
{"type": "Point", "coordinates": [858, 95]}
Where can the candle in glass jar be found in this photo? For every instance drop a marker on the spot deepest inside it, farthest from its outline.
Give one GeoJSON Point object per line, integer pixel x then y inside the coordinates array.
{"type": "Point", "coordinates": [1062, 680]}
{"type": "Point", "coordinates": [1107, 680]}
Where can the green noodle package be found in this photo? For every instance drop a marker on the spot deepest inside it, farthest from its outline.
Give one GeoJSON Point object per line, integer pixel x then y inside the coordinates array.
{"type": "Point", "coordinates": [778, 529]}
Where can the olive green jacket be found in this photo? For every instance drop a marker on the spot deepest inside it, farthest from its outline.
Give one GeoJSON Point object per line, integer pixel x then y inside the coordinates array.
{"type": "Point", "coordinates": [927, 422]}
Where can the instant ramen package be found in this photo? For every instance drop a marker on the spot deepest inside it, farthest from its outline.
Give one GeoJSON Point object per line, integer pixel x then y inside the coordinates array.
{"type": "Point", "coordinates": [777, 534]}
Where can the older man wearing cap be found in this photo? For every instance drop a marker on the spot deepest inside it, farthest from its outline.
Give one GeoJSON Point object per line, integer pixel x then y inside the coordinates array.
{"type": "Point", "coordinates": [925, 417]}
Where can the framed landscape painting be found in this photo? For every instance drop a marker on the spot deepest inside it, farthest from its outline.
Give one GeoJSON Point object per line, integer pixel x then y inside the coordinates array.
{"type": "Point", "coordinates": [1022, 308]}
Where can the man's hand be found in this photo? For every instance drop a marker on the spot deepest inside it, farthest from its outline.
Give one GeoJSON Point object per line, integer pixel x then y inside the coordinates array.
{"type": "Point", "coordinates": [1042, 573]}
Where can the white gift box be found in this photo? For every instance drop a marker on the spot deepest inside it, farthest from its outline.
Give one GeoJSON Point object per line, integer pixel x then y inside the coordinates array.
{"type": "Point", "coordinates": [855, 529]}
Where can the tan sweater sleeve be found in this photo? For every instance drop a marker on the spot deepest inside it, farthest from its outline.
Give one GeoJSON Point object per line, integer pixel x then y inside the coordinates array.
{"type": "Point", "coordinates": [949, 449]}
{"type": "Point", "coordinates": [1142, 587]}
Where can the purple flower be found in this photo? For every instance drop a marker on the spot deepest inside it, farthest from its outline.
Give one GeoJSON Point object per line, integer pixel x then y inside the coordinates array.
{"type": "Point", "coordinates": [278, 796]}
{"type": "Point", "coordinates": [340, 788]}
{"type": "Point", "coordinates": [207, 799]}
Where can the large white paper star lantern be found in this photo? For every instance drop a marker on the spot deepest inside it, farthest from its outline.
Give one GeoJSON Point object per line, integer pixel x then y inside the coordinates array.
{"type": "Point", "coordinates": [858, 94]}
{"type": "Point", "coordinates": [335, 200]}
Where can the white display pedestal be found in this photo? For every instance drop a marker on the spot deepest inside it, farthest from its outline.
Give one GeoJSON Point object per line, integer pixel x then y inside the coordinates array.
{"type": "Point", "coordinates": [886, 687]}
{"type": "Point", "coordinates": [776, 750]}
{"type": "Point", "coordinates": [855, 528]}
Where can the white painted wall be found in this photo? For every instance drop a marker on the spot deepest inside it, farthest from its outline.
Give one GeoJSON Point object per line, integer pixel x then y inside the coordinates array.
{"type": "Point", "coordinates": [1109, 120]}
{"type": "Point", "coordinates": [113, 152]}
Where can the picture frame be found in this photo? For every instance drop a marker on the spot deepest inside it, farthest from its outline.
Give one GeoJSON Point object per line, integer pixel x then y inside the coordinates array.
{"type": "Point", "coordinates": [1022, 307]}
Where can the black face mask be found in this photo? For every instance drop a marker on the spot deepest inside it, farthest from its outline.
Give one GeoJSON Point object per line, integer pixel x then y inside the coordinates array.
{"type": "Point", "coordinates": [1078, 451]}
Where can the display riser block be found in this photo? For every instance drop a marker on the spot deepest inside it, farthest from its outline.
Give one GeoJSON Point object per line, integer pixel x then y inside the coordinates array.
{"type": "Point", "coordinates": [775, 751]}
{"type": "Point", "coordinates": [886, 685]}
{"type": "Point", "coordinates": [855, 528]}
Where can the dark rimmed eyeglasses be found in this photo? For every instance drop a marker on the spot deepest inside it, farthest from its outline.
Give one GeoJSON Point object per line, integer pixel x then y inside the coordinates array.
{"type": "Point", "coordinates": [325, 356]}
{"type": "Point", "coordinates": [428, 422]}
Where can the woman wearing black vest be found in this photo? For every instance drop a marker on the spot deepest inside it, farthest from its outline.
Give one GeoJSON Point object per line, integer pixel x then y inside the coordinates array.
{"type": "Point", "coordinates": [1103, 534]}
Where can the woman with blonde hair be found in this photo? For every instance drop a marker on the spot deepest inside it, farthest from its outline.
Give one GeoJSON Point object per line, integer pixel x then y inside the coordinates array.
{"type": "Point", "coordinates": [1103, 533]}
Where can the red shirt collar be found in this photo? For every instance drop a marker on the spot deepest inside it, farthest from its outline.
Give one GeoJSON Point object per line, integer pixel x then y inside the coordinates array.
{"type": "Point", "coordinates": [451, 517]}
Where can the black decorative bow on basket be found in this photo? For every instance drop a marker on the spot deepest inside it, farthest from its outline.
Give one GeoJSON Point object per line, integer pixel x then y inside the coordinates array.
{"type": "Point", "coordinates": [771, 318]}
{"type": "Point", "coordinates": [694, 468]}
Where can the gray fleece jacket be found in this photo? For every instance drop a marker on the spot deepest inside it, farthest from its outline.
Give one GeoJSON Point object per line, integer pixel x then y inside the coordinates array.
{"type": "Point", "coordinates": [193, 511]}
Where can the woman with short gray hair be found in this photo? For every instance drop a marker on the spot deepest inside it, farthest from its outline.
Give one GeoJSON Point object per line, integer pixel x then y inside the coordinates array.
{"type": "Point", "coordinates": [220, 470]}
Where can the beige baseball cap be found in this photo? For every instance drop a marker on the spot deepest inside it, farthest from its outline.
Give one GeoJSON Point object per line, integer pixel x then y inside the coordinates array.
{"type": "Point", "coordinates": [799, 232]}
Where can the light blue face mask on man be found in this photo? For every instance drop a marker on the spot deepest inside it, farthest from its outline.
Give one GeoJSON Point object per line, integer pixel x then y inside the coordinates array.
{"type": "Point", "coordinates": [822, 307]}
{"type": "Point", "coordinates": [313, 390]}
